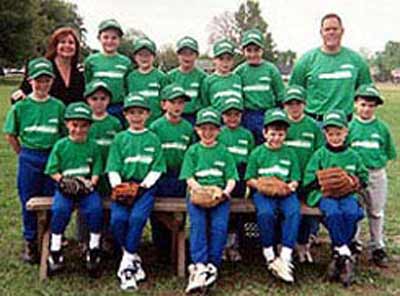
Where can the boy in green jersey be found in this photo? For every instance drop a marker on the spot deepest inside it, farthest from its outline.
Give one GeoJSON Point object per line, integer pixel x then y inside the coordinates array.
{"type": "Point", "coordinates": [76, 156]}
{"type": "Point", "coordinates": [135, 156]}
{"type": "Point", "coordinates": [222, 83]}
{"type": "Point", "coordinates": [273, 159]}
{"type": "Point", "coordinates": [189, 76]}
{"type": "Point", "coordinates": [207, 162]}
{"type": "Point", "coordinates": [240, 142]}
{"type": "Point", "coordinates": [175, 134]}
{"type": "Point", "coordinates": [340, 214]}
{"type": "Point", "coordinates": [262, 84]}
{"type": "Point", "coordinates": [110, 66]}
{"type": "Point", "coordinates": [147, 80]}
{"type": "Point", "coordinates": [32, 127]}
{"type": "Point", "coordinates": [305, 137]}
{"type": "Point", "coordinates": [371, 137]}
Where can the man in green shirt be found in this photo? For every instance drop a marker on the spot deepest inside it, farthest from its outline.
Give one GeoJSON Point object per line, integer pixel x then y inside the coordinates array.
{"type": "Point", "coordinates": [76, 156]}
{"type": "Point", "coordinates": [32, 127]}
{"type": "Point", "coordinates": [371, 137]}
{"type": "Point", "coordinates": [331, 73]}
{"type": "Point", "coordinates": [189, 76]}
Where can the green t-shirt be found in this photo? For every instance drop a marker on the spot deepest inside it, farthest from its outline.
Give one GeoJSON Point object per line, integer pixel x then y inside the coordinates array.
{"type": "Point", "coordinates": [191, 83]}
{"type": "Point", "coordinates": [216, 88]}
{"type": "Point", "coordinates": [135, 154]}
{"type": "Point", "coordinates": [209, 165]}
{"type": "Point", "coordinates": [71, 158]}
{"type": "Point", "coordinates": [175, 139]}
{"type": "Point", "coordinates": [103, 131]}
{"type": "Point", "coordinates": [323, 158]}
{"type": "Point", "coordinates": [37, 124]}
{"type": "Point", "coordinates": [330, 79]}
{"type": "Point", "coordinates": [149, 85]}
{"type": "Point", "coordinates": [304, 137]}
{"type": "Point", "coordinates": [263, 87]}
{"type": "Point", "coordinates": [113, 70]}
{"type": "Point", "coordinates": [281, 163]}
{"type": "Point", "coordinates": [373, 141]}
{"type": "Point", "coordinates": [239, 142]}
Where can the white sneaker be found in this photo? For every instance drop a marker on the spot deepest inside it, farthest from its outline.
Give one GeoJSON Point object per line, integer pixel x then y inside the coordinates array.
{"type": "Point", "coordinates": [197, 277]}
{"type": "Point", "coordinates": [140, 275]}
{"type": "Point", "coordinates": [211, 274]}
{"type": "Point", "coordinates": [127, 279]}
{"type": "Point", "coordinates": [282, 269]}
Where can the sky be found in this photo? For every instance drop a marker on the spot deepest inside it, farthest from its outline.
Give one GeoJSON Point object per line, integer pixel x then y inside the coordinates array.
{"type": "Point", "coordinates": [294, 24]}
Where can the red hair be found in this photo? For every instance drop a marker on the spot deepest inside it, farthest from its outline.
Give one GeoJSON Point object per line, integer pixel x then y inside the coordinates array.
{"type": "Point", "coordinates": [55, 38]}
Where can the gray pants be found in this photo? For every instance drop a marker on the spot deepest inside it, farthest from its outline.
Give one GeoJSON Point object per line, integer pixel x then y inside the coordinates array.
{"type": "Point", "coordinates": [375, 202]}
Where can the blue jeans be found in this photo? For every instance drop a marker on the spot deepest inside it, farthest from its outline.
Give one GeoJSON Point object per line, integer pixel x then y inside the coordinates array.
{"type": "Point", "coordinates": [31, 181]}
{"type": "Point", "coordinates": [253, 120]}
{"type": "Point", "coordinates": [208, 232]}
{"type": "Point", "coordinates": [340, 218]}
{"type": "Point", "coordinates": [116, 110]}
{"type": "Point", "coordinates": [307, 225]}
{"type": "Point", "coordinates": [267, 211]}
{"type": "Point", "coordinates": [167, 186]}
{"type": "Point", "coordinates": [90, 206]}
{"type": "Point", "coordinates": [127, 223]}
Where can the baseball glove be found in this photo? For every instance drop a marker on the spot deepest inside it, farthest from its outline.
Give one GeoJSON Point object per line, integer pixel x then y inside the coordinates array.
{"type": "Point", "coordinates": [336, 183]}
{"type": "Point", "coordinates": [207, 196]}
{"type": "Point", "coordinates": [75, 186]}
{"type": "Point", "coordinates": [273, 187]}
{"type": "Point", "coordinates": [125, 193]}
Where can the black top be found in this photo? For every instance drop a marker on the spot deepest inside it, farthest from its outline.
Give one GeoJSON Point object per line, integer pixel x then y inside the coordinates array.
{"type": "Point", "coordinates": [72, 93]}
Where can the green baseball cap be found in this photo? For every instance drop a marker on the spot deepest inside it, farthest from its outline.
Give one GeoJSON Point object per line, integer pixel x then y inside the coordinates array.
{"type": "Point", "coordinates": [208, 115]}
{"type": "Point", "coordinates": [136, 100]}
{"type": "Point", "coordinates": [173, 91]}
{"type": "Point", "coordinates": [335, 118]}
{"type": "Point", "coordinates": [232, 103]}
{"type": "Point", "coordinates": [40, 66]}
{"type": "Point", "coordinates": [295, 92]}
{"type": "Point", "coordinates": [369, 91]}
{"type": "Point", "coordinates": [110, 24]}
{"type": "Point", "coordinates": [144, 42]}
{"type": "Point", "coordinates": [187, 42]}
{"type": "Point", "coordinates": [94, 86]}
{"type": "Point", "coordinates": [78, 110]}
{"type": "Point", "coordinates": [275, 115]}
{"type": "Point", "coordinates": [223, 46]}
{"type": "Point", "coordinates": [253, 36]}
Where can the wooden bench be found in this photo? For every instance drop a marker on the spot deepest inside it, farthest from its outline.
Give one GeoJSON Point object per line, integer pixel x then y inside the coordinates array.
{"type": "Point", "coordinates": [170, 211]}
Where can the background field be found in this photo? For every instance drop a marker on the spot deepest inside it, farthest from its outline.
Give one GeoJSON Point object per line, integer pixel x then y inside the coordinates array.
{"type": "Point", "coordinates": [247, 278]}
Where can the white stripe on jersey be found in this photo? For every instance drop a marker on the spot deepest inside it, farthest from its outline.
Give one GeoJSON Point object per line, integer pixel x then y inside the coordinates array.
{"type": "Point", "coordinates": [42, 129]}
{"type": "Point", "coordinates": [276, 169]}
{"type": "Point", "coordinates": [108, 74]}
{"type": "Point", "coordinates": [238, 150]}
{"type": "Point", "coordinates": [103, 142]}
{"type": "Point", "coordinates": [228, 93]}
{"type": "Point", "coordinates": [174, 145]}
{"type": "Point", "coordinates": [149, 93]}
{"type": "Point", "coordinates": [257, 87]}
{"type": "Point", "coordinates": [336, 75]}
{"type": "Point", "coordinates": [366, 144]}
{"type": "Point", "coordinates": [84, 170]}
{"type": "Point", "coordinates": [210, 172]}
{"type": "Point", "coordinates": [298, 143]}
{"type": "Point", "coordinates": [139, 158]}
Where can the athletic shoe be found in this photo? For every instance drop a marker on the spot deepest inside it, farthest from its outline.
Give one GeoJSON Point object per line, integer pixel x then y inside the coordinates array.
{"type": "Point", "coordinates": [380, 257]}
{"type": "Point", "coordinates": [30, 253]}
{"type": "Point", "coordinates": [127, 279]}
{"type": "Point", "coordinates": [211, 274]}
{"type": "Point", "coordinates": [333, 270]}
{"type": "Point", "coordinates": [197, 277]}
{"type": "Point", "coordinates": [346, 265]}
{"type": "Point", "coordinates": [282, 269]}
{"type": "Point", "coordinates": [93, 260]}
{"type": "Point", "coordinates": [140, 275]}
{"type": "Point", "coordinates": [55, 262]}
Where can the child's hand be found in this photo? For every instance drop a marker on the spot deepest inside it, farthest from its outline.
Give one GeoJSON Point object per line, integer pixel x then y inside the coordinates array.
{"type": "Point", "coordinates": [293, 185]}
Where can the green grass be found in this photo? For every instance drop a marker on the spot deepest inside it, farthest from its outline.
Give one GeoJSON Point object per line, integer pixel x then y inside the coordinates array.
{"type": "Point", "coordinates": [248, 278]}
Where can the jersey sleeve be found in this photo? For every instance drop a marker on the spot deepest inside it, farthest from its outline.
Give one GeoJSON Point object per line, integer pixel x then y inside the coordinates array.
{"type": "Point", "coordinates": [187, 170]}
{"type": "Point", "coordinates": [298, 76]}
{"type": "Point", "coordinates": [97, 169]}
{"type": "Point", "coordinates": [205, 100]}
{"type": "Point", "coordinates": [231, 172]}
{"type": "Point", "coordinates": [53, 163]}
{"type": "Point", "coordinates": [11, 123]}
{"type": "Point", "coordinates": [311, 169]}
{"type": "Point", "coordinates": [319, 138]}
{"type": "Point", "coordinates": [390, 147]}
{"type": "Point", "coordinates": [114, 161]}
{"type": "Point", "coordinates": [158, 164]}
{"type": "Point", "coordinates": [361, 170]}
{"type": "Point", "coordinates": [251, 170]}
{"type": "Point", "coordinates": [278, 87]}
{"type": "Point", "coordinates": [295, 173]}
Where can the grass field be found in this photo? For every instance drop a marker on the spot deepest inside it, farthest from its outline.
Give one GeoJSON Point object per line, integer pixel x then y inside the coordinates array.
{"type": "Point", "coordinates": [247, 278]}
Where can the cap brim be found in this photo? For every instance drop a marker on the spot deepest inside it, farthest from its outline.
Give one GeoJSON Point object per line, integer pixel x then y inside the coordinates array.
{"type": "Point", "coordinates": [89, 93]}
{"type": "Point", "coordinates": [252, 41]}
{"type": "Point", "coordinates": [42, 73]}
{"type": "Point", "coordinates": [144, 47]}
{"type": "Point", "coordinates": [201, 122]}
{"type": "Point", "coordinates": [221, 52]}
{"type": "Point", "coordinates": [378, 100]}
{"type": "Point", "coordinates": [196, 50]}
{"type": "Point", "coordinates": [266, 123]}
{"type": "Point", "coordinates": [121, 33]}
{"type": "Point", "coordinates": [136, 106]}
{"type": "Point", "coordinates": [293, 98]}
{"type": "Point", "coordinates": [79, 118]}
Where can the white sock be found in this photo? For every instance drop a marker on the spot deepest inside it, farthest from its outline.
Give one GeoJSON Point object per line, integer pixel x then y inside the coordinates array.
{"type": "Point", "coordinates": [127, 258]}
{"type": "Point", "coordinates": [286, 254]}
{"type": "Point", "coordinates": [343, 250]}
{"type": "Point", "coordinates": [55, 244]}
{"type": "Point", "coordinates": [94, 241]}
{"type": "Point", "coordinates": [269, 253]}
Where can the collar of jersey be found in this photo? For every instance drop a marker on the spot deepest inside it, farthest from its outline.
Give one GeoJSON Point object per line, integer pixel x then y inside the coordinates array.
{"type": "Point", "coordinates": [137, 132]}
{"type": "Point", "coordinates": [39, 100]}
{"type": "Point", "coordinates": [365, 120]}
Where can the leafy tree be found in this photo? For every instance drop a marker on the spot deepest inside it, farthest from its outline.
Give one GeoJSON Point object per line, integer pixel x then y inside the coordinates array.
{"type": "Point", "coordinates": [387, 60]}
{"type": "Point", "coordinates": [167, 58]}
{"type": "Point", "coordinates": [128, 38]}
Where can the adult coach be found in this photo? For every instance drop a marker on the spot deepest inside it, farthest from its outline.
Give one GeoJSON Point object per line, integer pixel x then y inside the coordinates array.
{"type": "Point", "coordinates": [331, 73]}
{"type": "Point", "coordinates": [63, 51]}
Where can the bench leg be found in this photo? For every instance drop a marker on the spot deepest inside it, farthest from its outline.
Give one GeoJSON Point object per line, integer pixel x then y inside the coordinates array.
{"type": "Point", "coordinates": [44, 255]}
{"type": "Point", "coordinates": [181, 253]}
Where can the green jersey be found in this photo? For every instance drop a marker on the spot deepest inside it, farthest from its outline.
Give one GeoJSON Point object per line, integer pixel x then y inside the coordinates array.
{"type": "Point", "coordinates": [103, 131]}
{"type": "Point", "coordinates": [281, 163]}
{"type": "Point", "coordinates": [262, 84]}
{"type": "Point", "coordinates": [38, 124]}
{"type": "Point", "coordinates": [304, 137]}
{"type": "Point", "coordinates": [373, 141]}
{"type": "Point", "coordinates": [135, 154]}
{"type": "Point", "coordinates": [323, 158]}
{"type": "Point", "coordinates": [216, 88]}
{"type": "Point", "coordinates": [149, 85]}
{"type": "Point", "coordinates": [191, 83]}
{"type": "Point", "coordinates": [113, 70]}
{"type": "Point", "coordinates": [76, 159]}
{"type": "Point", "coordinates": [330, 79]}
{"type": "Point", "coordinates": [209, 165]}
{"type": "Point", "coordinates": [239, 142]}
{"type": "Point", "coordinates": [175, 139]}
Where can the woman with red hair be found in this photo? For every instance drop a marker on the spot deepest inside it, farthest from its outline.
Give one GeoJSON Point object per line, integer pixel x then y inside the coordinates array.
{"type": "Point", "coordinates": [63, 51]}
